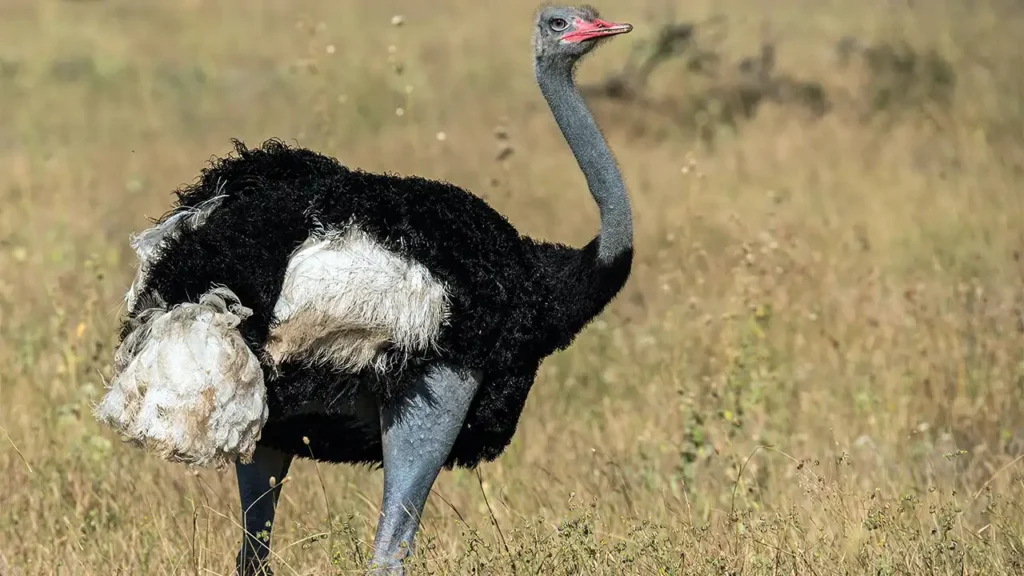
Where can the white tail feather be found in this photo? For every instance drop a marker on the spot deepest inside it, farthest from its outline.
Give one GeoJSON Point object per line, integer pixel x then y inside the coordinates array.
{"type": "Point", "coordinates": [147, 242]}
{"type": "Point", "coordinates": [186, 386]}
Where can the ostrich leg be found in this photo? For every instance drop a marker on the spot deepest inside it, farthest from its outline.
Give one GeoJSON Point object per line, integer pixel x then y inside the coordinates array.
{"type": "Point", "coordinates": [418, 434]}
{"type": "Point", "coordinates": [258, 505]}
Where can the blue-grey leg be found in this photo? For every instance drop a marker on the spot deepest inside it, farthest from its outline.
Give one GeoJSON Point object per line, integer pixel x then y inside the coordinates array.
{"type": "Point", "coordinates": [418, 433]}
{"type": "Point", "coordinates": [258, 505]}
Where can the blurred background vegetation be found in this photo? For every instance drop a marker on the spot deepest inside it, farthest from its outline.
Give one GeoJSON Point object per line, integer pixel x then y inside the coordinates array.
{"type": "Point", "coordinates": [816, 367]}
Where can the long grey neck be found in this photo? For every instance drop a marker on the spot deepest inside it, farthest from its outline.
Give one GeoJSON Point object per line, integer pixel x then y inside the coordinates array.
{"type": "Point", "coordinates": [592, 154]}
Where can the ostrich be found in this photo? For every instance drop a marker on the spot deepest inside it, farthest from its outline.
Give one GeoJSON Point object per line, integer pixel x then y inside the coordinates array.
{"type": "Point", "coordinates": [288, 305]}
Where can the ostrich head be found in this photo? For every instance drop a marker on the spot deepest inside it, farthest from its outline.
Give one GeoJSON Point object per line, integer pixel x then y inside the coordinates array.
{"type": "Point", "coordinates": [564, 34]}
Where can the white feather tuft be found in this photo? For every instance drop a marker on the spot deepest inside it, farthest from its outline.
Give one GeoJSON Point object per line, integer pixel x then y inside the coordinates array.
{"type": "Point", "coordinates": [186, 386]}
{"type": "Point", "coordinates": [149, 241]}
{"type": "Point", "coordinates": [349, 301]}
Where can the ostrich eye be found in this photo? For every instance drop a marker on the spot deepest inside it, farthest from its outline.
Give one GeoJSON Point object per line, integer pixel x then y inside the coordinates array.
{"type": "Point", "coordinates": [558, 24]}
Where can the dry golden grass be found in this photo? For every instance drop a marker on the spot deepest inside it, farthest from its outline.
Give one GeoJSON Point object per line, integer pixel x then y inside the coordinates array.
{"type": "Point", "coordinates": [816, 368]}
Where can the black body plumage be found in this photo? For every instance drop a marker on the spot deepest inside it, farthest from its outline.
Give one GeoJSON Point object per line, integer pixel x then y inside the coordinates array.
{"type": "Point", "coordinates": [514, 300]}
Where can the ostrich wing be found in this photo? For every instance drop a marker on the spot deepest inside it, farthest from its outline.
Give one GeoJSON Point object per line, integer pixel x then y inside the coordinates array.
{"type": "Point", "coordinates": [349, 301]}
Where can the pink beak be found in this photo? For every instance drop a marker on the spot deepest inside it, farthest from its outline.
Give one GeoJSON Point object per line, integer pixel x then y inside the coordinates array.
{"type": "Point", "coordinates": [585, 30]}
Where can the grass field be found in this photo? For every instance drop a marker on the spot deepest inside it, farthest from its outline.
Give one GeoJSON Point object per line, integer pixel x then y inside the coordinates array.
{"type": "Point", "coordinates": [817, 366]}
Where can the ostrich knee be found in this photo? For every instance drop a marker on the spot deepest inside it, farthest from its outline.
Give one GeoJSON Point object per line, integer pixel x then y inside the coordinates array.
{"type": "Point", "coordinates": [418, 434]}
{"type": "Point", "coordinates": [259, 502]}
